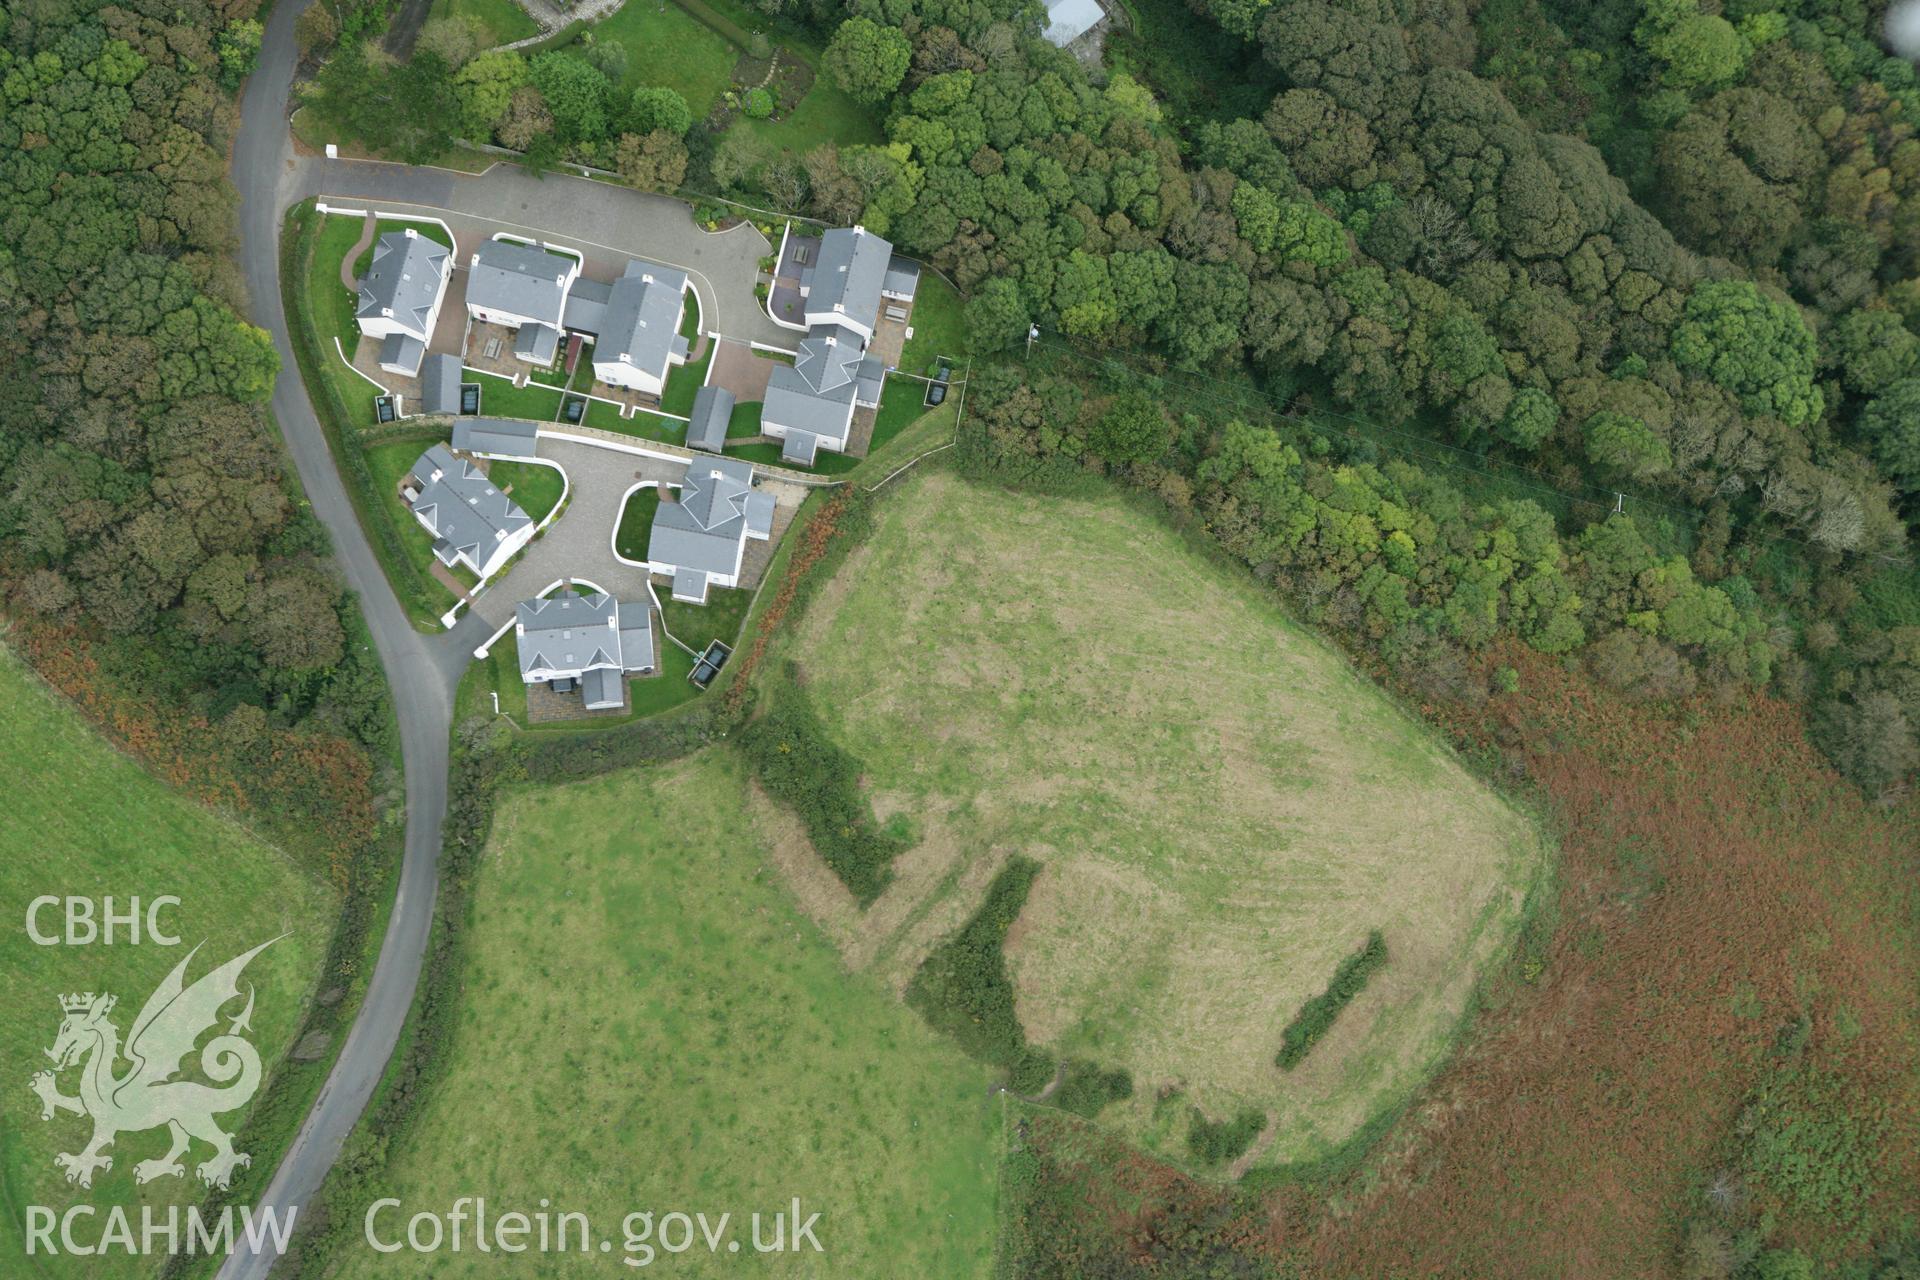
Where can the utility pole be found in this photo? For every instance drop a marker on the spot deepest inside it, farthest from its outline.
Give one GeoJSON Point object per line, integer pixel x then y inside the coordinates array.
{"type": "Point", "coordinates": [1033, 331]}
{"type": "Point", "coordinates": [1619, 503]}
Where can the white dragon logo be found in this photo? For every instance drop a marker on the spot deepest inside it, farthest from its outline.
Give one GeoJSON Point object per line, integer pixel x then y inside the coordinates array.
{"type": "Point", "coordinates": [148, 1095]}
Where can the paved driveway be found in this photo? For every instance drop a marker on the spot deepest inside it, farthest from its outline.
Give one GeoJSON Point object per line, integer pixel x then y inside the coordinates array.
{"type": "Point", "coordinates": [741, 370]}
{"type": "Point", "coordinates": [580, 543]}
{"type": "Point", "coordinates": [606, 223]}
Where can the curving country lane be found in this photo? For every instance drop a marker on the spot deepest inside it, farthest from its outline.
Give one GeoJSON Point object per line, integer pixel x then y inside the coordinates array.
{"type": "Point", "coordinates": [422, 671]}
{"type": "Point", "coordinates": [606, 223]}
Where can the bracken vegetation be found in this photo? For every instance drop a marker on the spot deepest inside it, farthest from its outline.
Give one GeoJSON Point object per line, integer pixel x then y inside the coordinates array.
{"type": "Point", "coordinates": [1701, 1063]}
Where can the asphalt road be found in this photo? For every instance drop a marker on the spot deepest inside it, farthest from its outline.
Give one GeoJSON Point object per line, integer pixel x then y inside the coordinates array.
{"type": "Point", "coordinates": [422, 671]}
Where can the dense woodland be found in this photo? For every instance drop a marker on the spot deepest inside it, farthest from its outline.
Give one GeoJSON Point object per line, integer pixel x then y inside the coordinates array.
{"type": "Point", "coordinates": [154, 550]}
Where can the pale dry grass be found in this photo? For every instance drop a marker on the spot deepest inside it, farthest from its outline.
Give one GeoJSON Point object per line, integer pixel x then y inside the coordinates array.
{"type": "Point", "coordinates": [1223, 807]}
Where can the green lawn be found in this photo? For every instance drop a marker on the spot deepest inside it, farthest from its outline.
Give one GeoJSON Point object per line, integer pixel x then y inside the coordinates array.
{"type": "Point", "coordinates": [536, 487]}
{"type": "Point", "coordinates": [498, 672]}
{"type": "Point", "coordinates": [503, 20]}
{"type": "Point", "coordinates": [83, 820]}
{"type": "Point", "coordinates": [718, 619]}
{"type": "Point", "coordinates": [939, 327]}
{"type": "Point", "coordinates": [636, 523]}
{"type": "Point", "coordinates": [499, 398]}
{"type": "Point", "coordinates": [333, 302]}
{"type": "Point", "coordinates": [667, 690]}
{"type": "Point", "coordinates": [1223, 808]}
{"type": "Point", "coordinates": [649, 1023]}
{"type": "Point", "coordinates": [684, 382]}
{"type": "Point", "coordinates": [744, 422]}
{"type": "Point", "coordinates": [902, 402]}
{"type": "Point", "coordinates": [826, 114]}
{"type": "Point", "coordinates": [690, 315]}
{"type": "Point", "coordinates": [668, 46]}
{"type": "Point", "coordinates": [642, 425]}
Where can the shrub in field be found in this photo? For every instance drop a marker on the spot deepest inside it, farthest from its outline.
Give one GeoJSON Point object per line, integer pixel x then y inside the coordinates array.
{"type": "Point", "coordinates": [963, 988]}
{"type": "Point", "coordinates": [1086, 1089]}
{"type": "Point", "coordinates": [1317, 1014]}
{"type": "Point", "coordinates": [796, 762]}
{"type": "Point", "coordinates": [1218, 1142]}
{"type": "Point", "coordinates": [758, 104]}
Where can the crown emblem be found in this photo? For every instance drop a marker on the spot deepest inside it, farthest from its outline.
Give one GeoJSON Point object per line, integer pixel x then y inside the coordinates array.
{"type": "Point", "coordinates": [78, 1002]}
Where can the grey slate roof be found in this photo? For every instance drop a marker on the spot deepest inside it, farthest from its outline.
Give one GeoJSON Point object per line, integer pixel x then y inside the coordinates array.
{"type": "Point", "coordinates": [401, 353]}
{"type": "Point", "coordinates": [507, 437]}
{"type": "Point", "coordinates": [800, 447]}
{"type": "Point", "coordinates": [440, 387]}
{"type": "Point", "coordinates": [849, 272]}
{"type": "Point", "coordinates": [707, 426]}
{"type": "Point", "coordinates": [522, 279]}
{"type": "Point", "coordinates": [869, 380]}
{"type": "Point", "coordinates": [792, 404]}
{"type": "Point", "coordinates": [569, 635]}
{"type": "Point", "coordinates": [600, 690]}
{"type": "Point", "coordinates": [636, 635]}
{"type": "Point", "coordinates": [403, 280]}
{"type": "Point", "coordinates": [717, 510]}
{"type": "Point", "coordinates": [829, 356]}
{"type": "Point", "coordinates": [690, 584]}
{"type": "Point", "coordinates": [903, 277]}
{"type": "Point", "coordinates": [537, 343]}
{"type": "Point", "coordinates": [642, 317]}
{"type": "Point", "coordinates": [461, 507]}
{"type": "Point", "coordinates": [586, 308]}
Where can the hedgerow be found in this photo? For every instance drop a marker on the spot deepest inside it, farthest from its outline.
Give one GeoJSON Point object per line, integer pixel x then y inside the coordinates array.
{"type": "Point", "coordinates": [800, 766]}
{"type": "Point", "coordinates": [963, 988]}
{"type": "Point", "coordinates": [1317, 1014]}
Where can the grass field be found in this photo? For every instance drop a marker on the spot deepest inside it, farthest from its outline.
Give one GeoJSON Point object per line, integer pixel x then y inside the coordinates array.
{"type": "Point", "coordinates": [826, 114]}
{"type": "Point", "coordinates": [504, 20]}
{"type": "Point", "coordinates": [649, 1024]}
{"type": "Point", "coordinates": [1223, 808]}
{"type": "Point", "coordinates": [501, 399]}
{"type": "Point", "coordinates": [82, 820]}
{"type": "Point", "coordinates": [668, 46]}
